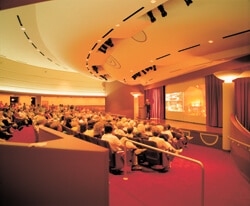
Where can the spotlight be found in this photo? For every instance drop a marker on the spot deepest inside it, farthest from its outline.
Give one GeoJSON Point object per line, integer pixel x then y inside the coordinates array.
{"type": "Point", "coordinates": [154, 68]}
{"type": "Point", "coordinates": [148, 69]}
{"type": "Point", "coordinates": [151, 16]}
{"type": "Point", "coordinates": [188, 2]}
{"type": "Point", "coordinates": [95, 68]}
{"type": "Point", "coordinates": [104, 77]}
{"type": "Point", "coordinates": [103, 49]}
{"type": "Point", "coordinates": [109, 43]}
{"type": "Point", "coordinates": [163, 12]}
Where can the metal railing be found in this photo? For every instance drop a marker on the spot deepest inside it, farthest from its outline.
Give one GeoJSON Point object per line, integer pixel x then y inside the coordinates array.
{"type": "Point", "coordinates": [125, 177]}
{"type": "Point", "coordinates": [239, 142]}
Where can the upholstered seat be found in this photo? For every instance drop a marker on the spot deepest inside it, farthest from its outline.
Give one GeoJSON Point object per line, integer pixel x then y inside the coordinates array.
{"type": "Point", "coordinates": [156, 160]}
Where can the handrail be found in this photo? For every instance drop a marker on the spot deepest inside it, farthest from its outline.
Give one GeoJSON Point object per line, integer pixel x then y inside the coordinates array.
{"type": "Point", "coordinates": [170, 153]}
{"type": "Point", "coordinates": [236, 123]}
{"type": "Point", "coordinates": [239, 142]}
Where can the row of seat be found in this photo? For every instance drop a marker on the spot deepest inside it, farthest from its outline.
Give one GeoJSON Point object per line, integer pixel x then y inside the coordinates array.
{"type": "Point", "coordinates": [150, 158]}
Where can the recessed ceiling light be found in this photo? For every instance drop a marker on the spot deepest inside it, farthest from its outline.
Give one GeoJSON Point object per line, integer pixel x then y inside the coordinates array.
{"type": "Point", "coordinates": [210, 41]}
{"type": "Point", "coordinates": [152, 1]}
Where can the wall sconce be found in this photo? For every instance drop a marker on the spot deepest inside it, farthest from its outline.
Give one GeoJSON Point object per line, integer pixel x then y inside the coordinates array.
{"type": "Point", "coordinates": [228, 76]}
{"type": "Point", "coordinates": [135, 94]}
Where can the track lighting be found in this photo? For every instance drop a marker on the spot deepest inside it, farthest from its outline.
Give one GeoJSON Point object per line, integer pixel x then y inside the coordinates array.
{"type": "Point", "coordinates": [106, 44]}
{"type": "Point", "coordinates": [103, 49]}
{"type": "Point", "coordinates": [138, 74]}
{"type": "Point", "coordinates": [151, 16]}
{"type": "Point", "coordinates": [109, 42]}
{"type": "Point", "coordinates": [188, 2]}
{"type": "Point", "coordinates": [162, 10]}
{"type": "Point", "coordinates": [144, 71]}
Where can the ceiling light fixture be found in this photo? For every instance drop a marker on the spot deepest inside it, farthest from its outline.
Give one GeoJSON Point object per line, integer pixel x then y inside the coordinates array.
{"type": "Point", "coordinates": [162, 10]}
{"type": "Point", "coordinates": [151, 16]}
{"type": "Point", "coordinates": [188, 2]}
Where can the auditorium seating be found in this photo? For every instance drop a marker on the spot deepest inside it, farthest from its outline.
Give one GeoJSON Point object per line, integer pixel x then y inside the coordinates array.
{"type": "Point", "coordinates": [156, 160]}
{"type": "Point", "coordinates": [116, 162]}
{"type": "Point", "coordinates": [151, 158]}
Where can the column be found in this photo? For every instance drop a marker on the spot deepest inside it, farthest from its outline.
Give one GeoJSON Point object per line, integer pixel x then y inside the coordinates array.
{"type": "Point", "coordinates": [228, 109]}
{"type": "Point", "coordinates": [136, 103]}
{"type": "Point", "coordinates": [228, 102]}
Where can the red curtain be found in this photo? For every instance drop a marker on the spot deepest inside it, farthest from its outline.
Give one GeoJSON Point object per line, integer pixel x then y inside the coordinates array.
{"type": "Point", "coordinates": [213, 101]}
{"type": "Point", "coordinates": [156, 98]}
{"type": "Point", "coordinates": [242, 101]}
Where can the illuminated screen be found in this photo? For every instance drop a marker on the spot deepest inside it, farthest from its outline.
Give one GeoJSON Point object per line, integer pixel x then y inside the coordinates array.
{"type": "Point", "coordinates": [186, 101]}
{"type": "Point", "coordinates": [175, 102]}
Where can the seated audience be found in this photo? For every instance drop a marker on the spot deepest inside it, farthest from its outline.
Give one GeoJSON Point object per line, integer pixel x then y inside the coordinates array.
{"type": "Point", "coordinates": [161, 143]}
{"type": "Point", "coordinates": [118, 145]}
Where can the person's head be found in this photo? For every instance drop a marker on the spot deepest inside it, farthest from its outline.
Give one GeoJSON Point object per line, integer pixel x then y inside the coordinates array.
{"type": "Point", "coordinates": [98, 128]}
{"type": "Point", "coordinates": [119, 125]}
{"type": "Point", "coordinates": [141, 128]}
{"type": "Point", "coordinates": [91, 124]}
{"type": "Point", "coordinates": [160, 127]}
{"type": "Point", "coordinates": [155, 131]}
{"type": "Point", "coordinates": [130, 130]}
{"type": "Point", "coordinates": [167, 127]}
{"type": "Point", "coordinates": [108, 128]}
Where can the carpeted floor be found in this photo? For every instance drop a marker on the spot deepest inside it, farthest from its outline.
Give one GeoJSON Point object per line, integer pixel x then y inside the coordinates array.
{"type": "Point", "coordinates": [181, 185]}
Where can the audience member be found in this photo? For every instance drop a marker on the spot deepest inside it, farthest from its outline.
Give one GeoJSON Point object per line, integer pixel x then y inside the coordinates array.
{"type": "Point", "coordinates": [118, 145]}
{"type": "Point", "coordinates": [99, 129]}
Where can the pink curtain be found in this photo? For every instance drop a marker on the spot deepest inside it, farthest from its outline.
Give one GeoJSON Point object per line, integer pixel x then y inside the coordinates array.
{"type": "Point", "coordinates": [156, 98]}
{"type": "Point", "coordinates": [242, 101]}
{"type": "Point", "coordinates": [213, 101]}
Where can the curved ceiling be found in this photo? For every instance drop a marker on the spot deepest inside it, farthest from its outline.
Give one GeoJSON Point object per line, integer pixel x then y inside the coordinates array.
{"type": "Point", "coordinates": [73, 46]}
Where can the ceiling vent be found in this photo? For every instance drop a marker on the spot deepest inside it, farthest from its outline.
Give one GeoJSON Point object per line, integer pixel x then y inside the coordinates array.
{"type": "Point", "coordinates": [191, 47]}
{"type": "Point", "coordinates": [235, 34]}
{"type": "Point", "coordinates": [133, 14]}
{"type": "Point", "coordinates": [163, 56]}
